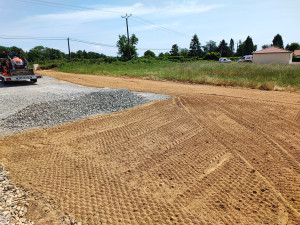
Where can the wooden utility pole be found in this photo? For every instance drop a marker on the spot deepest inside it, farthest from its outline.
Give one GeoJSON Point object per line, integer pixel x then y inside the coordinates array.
{"type": "Point", "coordinates": [69, 49]}
{"type": "Point", "coordinates": [126, 17]}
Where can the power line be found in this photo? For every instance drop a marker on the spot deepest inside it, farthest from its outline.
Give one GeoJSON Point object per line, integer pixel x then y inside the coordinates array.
{"type": "Point", "coordinates": [136, 18]}
{"type": "Point", "coordinates": [144, 21]}
{"type": "Point", "coordinates": [65, 39]}
{"type": "Point", "coordinates": [67, 6]}
{"type": "Point", "coordinates": [92, 43]}
{"type": "Point", "coordinates": [33, 38]}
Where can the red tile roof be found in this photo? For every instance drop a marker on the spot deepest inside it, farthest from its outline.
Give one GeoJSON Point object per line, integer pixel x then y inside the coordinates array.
{"type": "Point", "coordinates": [272, 49]}
{"type": "Point", "coordinates": [297, 52]}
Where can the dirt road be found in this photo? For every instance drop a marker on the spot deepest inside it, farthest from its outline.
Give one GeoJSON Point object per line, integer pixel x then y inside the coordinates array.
{"type": "Point", "coordinates": [208, 155]}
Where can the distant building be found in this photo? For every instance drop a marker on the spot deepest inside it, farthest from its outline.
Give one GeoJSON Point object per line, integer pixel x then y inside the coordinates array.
{"type": "Point", "coordinates": [297, 53]}
{"type": "Point", "coordinates": [273, 55]}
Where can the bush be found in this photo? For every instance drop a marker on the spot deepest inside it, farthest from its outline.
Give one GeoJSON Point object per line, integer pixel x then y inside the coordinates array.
{"type": "Point", "coordinates": [212, 56]}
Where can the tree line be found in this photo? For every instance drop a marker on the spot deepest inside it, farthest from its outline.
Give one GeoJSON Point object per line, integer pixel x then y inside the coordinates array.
{"type": "Point", "coordinates": [209, 51]}
{"type": "Point", "coordinates": [41, 53]}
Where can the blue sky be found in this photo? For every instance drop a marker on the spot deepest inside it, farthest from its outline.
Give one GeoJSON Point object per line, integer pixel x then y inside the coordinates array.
{"type": "Point", "coordinates": [209, 19]}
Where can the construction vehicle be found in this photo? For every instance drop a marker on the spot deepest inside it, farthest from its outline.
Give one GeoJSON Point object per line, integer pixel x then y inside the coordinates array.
{"type": "Point", "coordinates": [14, 67]}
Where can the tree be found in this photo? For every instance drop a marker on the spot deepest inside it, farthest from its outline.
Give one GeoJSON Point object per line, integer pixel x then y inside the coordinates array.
{"type": "Point", "coordinates": [73, 55]}
{"type": "Point", "coordinates": [79, 54]}
{"type": "Point", "coordinates": [293, 46]}
{"type": "Point", "coordinates": [84, 54]}
{"type": "Point", "coordinates": [184, 52]}
{"type": "Point", "coordinates": [224, 49]}
{"type": "Point", "coordinates": [15, 49]}
{"type": "Point", "coordinates": [265, 46]}
{"type": "Point", "coordinates": [3, 49]}
{"type": "Point", "coordinates": [161, 54]}
{"type": "Point", "coordinates": [149, 54]}
{"type": "Point", "coordinates": [127, 53]}
{"type": "Point", "coordinates": [210, 46]}
{"type": "Point", "coordinates": [195, 47]}
{"type": "Point", "coordinates": [175, 50]}
{"type": "Point", "coordinates": [240, 49]}
{"type": "Point", "coordinates": [277, 41]}
{"type": "Point", "coordinates": [249, 46]}
{"type": "Point", "coordinates": [36, 54]}
{"type": "Point", "coordinates": [52, 54]}
{"type": "Point", "coordinates": [246, 47]}
{"type": "Point", "coordinates": [231, 45]}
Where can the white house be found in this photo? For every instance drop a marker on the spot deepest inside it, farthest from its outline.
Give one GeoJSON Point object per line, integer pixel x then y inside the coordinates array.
{"type": "Point", "coordinates": [273, 55]}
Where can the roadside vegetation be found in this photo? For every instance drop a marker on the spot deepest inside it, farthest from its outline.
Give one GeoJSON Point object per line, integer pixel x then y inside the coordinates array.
{"type": "Point", "coordinates": [198, 64]}
{"type": "Point", "coordinates": [252, 75]}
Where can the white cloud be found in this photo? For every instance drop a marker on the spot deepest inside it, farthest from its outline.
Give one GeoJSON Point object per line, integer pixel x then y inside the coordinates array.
{"type": "Point", "coordinates": [138, 9]}
{"type": "Point", "coordinates": [189, 7]}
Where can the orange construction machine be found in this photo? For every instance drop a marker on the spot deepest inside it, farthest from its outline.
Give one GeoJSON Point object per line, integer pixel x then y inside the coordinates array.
{"type": "Point", "coordinates": [14, 67]}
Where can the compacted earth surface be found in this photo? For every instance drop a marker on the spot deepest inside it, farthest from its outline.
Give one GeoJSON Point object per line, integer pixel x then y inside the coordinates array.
{"type": "Point", "coordinates": [206, 155]}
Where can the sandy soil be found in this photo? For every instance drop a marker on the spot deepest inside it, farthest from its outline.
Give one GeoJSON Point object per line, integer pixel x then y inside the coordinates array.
{"type": "Point", "coordinates": [208, 155]}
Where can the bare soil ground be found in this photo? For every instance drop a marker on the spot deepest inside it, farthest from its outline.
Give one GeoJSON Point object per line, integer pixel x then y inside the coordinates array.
{"type": "Point", "coordinates": [208, 155]}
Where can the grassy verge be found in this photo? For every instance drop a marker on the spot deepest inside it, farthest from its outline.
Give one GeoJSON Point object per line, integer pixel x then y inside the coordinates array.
{"type": "Point", "coordinates": [260, 76]}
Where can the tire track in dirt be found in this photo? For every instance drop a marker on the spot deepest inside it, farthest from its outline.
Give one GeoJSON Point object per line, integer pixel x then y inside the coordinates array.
{"type": "Point", "coordinates": [290, 160]}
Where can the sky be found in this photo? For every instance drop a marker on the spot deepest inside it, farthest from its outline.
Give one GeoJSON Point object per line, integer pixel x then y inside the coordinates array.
{"type": "Point", "coordinates": [158, 24]}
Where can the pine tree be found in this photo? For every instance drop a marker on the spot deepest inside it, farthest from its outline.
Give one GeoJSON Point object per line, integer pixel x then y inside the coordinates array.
{"type": "Point", "coordinates": [195, 47]}
{"type": "Point", "coordinates": [277, 41]}
{"type": "Point", "coordinates": [210, 46]}
{"type": "Point", "coordinates": [224, 49]}
{"type": "Point", "coordinates": [248, 46]}
{"type": "Point", "coordinates": [175, 50]}
{"type": "Point", "coordinates": [231, 45]}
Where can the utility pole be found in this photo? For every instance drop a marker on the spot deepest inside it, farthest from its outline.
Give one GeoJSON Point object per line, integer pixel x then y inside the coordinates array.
{"type": "Point", "coordinates": [69, 49]}
{"type": "Point", "coordinates": [126, 17]}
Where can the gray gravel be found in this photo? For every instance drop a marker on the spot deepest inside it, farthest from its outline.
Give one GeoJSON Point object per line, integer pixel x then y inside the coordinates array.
{"type": "Point", "coordinates": [51, 102]}
{"type": "Point", "coordinates": [13, 201]}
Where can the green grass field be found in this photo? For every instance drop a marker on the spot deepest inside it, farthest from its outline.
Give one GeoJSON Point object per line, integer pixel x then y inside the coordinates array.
{"type": "Point", "coordinates": [252, 75]}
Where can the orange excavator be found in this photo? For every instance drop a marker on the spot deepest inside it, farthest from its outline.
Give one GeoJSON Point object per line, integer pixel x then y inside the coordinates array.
{"type": "Point", "coordinates": [14, 67]}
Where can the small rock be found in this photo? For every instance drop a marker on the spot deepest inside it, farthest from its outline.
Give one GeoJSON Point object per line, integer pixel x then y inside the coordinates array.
{"type": "Point", "coordinates": [10, 187]}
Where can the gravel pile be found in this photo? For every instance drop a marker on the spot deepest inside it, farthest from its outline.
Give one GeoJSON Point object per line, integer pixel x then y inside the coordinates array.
{"type": "Point", "coordinates": [66, 110]}
{"type": "Point", "coordinates": [54, 102]}
{"type": "Point", "coordinates": [13, 201]}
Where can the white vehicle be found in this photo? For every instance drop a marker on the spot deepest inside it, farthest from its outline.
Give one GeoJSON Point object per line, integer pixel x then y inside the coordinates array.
{"type": "Point", "coordinates": [246, 58]}
{"type": "Point", "coordinates": [224, 60]}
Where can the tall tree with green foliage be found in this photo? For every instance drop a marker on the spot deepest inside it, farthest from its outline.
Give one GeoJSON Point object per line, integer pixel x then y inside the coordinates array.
{"type": "Point", "coordinates": [174, 50]}
{"type": "Point", "coordinates": [240, 49]}
{"type": "Point", "coordinates": [36, 54]}
{"type": "Point", "coordinates": [211, 46]}
{"type": "Point", "coordinates": [246, 48]}
{"type": "Point", "coordinates": [195, 47]}
{"type": "Point", "coordinates": [224, 49]}
{"type": "Point", "coordinates": [161, 54]}
{"type": "Point", "coordinates": [293, 46]}
{"type": "Point", "coordinates": [127, 53]}
{"type": "Point", "coordinates": [3, 49]}
{"type": "Point", "coordinates": [249, 46]}
{"type": "Point", "coordinates": [231, 45]}
{"type": "Point", "coordinates": [52, 54]}
{"type": "Point", "coordinates": [10, 49]}
{"type": "Point", "coordinates": [149, 54]}
{"type": "Point", "coordinates": [277, 41]}
{"type": "Point", "coordinates": [184, 52]}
